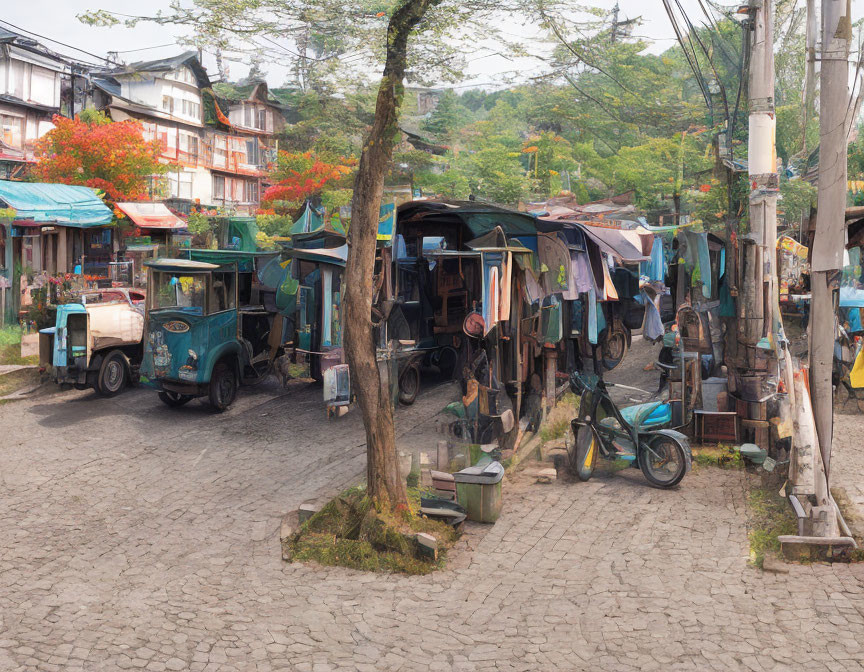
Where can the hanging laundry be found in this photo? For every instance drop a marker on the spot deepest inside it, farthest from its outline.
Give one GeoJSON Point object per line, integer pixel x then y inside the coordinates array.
{"type": "Point", "coordinates": [593, 330]}
{"type": "Point", "coordinates": [555, 255]}
{"type": "Point", "coordinates": [609, 291]}
{"type": "Point", "coordinates": [506, 279]}
{"type": "Point", "coordinates": [652, 327]}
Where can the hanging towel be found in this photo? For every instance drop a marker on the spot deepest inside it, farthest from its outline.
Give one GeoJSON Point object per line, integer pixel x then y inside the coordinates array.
{"type": "Point", "coordinates": [592, 316]}
{"type": "Point", "coordinates": [652, 328]}
{"type": "Point", "coordinates": [610, 293]}
{"type": "Point", "coordinates": [506, 278]}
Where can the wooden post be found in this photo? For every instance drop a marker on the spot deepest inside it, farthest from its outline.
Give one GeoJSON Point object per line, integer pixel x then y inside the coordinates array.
{"type": "Point", "coordinates": [550, 356]}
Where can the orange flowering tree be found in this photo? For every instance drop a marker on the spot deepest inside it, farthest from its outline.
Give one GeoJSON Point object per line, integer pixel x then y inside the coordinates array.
{"type": "Point", "coordinates": [301, 176]}
{"type": "Point", "coordinates": [93, 151]}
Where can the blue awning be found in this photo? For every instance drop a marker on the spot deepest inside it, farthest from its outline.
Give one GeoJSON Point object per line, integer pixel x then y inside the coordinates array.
{"type": "Point", "coordinates": [61, 204]}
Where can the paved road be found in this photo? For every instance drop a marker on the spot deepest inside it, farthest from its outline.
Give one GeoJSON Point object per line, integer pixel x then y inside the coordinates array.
{"type": "Point", "coordinates": [135, 537]}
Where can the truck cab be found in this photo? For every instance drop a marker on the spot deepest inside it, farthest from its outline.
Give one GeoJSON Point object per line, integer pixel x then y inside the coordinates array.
{"type": "Point", "coordinates": [96, 341]}
{"type": "Point", "coordinates": [199, 341]}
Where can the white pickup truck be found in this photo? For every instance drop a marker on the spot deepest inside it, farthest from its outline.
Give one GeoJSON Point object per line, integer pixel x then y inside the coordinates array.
{"type": "Point", "coordinates": [96, 342]}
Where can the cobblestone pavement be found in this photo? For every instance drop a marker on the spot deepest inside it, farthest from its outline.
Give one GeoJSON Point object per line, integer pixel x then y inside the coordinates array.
{"type": "Point", "coordinates": [136, 537]}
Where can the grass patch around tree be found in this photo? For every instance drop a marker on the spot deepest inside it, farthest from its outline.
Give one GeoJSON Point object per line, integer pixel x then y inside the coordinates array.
{"type": "Point", "coordinates": [349, 532]}
{"type": "Point", "coordinates": [770, 516]}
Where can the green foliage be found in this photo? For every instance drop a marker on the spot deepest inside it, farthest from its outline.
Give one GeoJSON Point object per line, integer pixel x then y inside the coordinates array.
{"type": "Point", "coordinates": [797, 197]}
{"type": "Point", "coordinates": [448, 117]}
{"type": "Point", "coordinates": [558, 422]}
{"type": "Point", "coordinates": [274, 225]}
{"type": "Point", "coordinates": [770, 516]}
{"type": "Point", "coordinates": [90, 115]}
{"type": "Point", "coordinates": [199, 224]}
{"type": "Point", "coordinates": [10, 346]}
{"type": "Point", "coordinates": [721, 455]}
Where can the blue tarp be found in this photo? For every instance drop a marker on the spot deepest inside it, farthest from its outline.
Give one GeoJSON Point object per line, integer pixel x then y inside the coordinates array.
{"type": "Point", "coordinates": [61, 204]}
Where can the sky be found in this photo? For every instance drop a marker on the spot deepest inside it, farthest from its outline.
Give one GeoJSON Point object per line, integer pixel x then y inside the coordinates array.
{"type": "Point", "coordinates": [56, 19]}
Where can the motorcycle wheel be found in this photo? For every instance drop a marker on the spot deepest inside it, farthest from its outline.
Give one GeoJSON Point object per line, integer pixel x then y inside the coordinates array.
{"type": "Point", "coordinates": [663, 461]}
{"type": "Point", "coordinates": [615, 347]}
{"type": "Point", "coordinates": [583, 454]}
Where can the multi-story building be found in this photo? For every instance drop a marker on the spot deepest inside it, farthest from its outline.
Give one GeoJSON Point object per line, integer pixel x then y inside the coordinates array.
{"type": "Point", "coordinates": [35, 84]}
{"type": "Point", "coordinates": [218, 149]}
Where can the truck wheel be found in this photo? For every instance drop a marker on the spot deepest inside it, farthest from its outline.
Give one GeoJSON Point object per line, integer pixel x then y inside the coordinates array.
{"type": "Point", "coordinates": [112, 375]}
{"type": "Point", "coordinates": [174, 399]}
{"type": "Point", "coordinates": [223, 385]}
{"type": "Point", "coordinates": [409, 385]}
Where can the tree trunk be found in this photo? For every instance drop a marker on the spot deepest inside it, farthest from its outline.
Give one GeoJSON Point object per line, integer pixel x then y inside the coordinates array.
{"type": "Point", "coordinates": [827, 257]}
{"type": "Point", "coordinates": [384, 482]}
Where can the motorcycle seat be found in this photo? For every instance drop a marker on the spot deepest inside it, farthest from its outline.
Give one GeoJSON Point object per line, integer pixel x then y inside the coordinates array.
{"type": "Point", "coordinates": [650, 414]}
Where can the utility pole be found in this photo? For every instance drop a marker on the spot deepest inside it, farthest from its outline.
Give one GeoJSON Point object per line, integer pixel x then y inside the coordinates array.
{"type": "Point", "coordinates": [809, 94]}
{"type": "Point", "coordinates": [614, 36]}
{"type": "Point", "coordinates": [829, 239]}
{"type": "Point", "coordinates": [755, 314]}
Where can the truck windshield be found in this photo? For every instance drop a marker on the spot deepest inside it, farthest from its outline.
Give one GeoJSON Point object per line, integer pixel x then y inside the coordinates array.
{"type": "Point", "coordinates": [182, 291]}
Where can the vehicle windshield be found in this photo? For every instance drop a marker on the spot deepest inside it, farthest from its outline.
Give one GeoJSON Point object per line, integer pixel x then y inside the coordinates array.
{"type": "Point", "coordinates": [178, 290]}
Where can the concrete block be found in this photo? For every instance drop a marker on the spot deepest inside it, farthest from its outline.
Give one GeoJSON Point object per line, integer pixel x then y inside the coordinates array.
{"type": "Point", "coordinates": [306, 511]}
{"type": "Point", "coordinates": [547, 476]}
{"type": "Point", "coordinates": [427, 545]}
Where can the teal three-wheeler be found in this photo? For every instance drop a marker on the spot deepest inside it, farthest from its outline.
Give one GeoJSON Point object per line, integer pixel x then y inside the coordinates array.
{"type": "Point", "coordinates": [199, 340]}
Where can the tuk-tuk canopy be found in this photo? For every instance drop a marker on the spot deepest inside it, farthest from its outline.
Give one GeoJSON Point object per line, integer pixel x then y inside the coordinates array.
{"type": "Point", "coordinates": [181, 266]}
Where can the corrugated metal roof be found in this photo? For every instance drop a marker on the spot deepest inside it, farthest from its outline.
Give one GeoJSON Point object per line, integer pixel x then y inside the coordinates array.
{"type": "Point", "coordinates": [152, 215]}
{"type": "Point", "coordinates": [49, 203]}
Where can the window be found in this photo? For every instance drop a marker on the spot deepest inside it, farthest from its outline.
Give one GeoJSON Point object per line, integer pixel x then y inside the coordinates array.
{"type": "Point", "coordinates": [12, 130]}
{"type": "Point", "coordinates": [173, 290]}
{"type": "Point", "coordinates": [163, 140]}
{"type": "Point", "coordinates": [191, 109]}
{"type": "Point", "coordinates": [252, 155]}
{"type": "Point", "coordinates": [247, 116]}
{"type": "Point", "coordinates": [168, 104]}
{"type": "Point", "coordinates": [218, 187]}
{"type": "Point", "coordinates": [223, 295]}
{"type": "Point", "coordinates": [262, 120]}
{"type": "Point", "coordinates": [189, 145]}
{"type": "Point", "coordinates": [15, 84]}
{"type": "Point", "coordinates": [42, 89]}
{"type": "Point", "coordinates": [250, 192]}
{"type": "Point", "coordinates": [181, 184]}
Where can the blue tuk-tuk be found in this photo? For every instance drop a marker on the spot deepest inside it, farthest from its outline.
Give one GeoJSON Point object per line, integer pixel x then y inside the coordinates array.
{"type": "Point", "coordinates": [199, 341]}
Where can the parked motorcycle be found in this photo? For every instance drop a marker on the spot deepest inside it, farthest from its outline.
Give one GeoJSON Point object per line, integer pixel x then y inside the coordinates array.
{"type": "Point", "coordinates": [640, 434]}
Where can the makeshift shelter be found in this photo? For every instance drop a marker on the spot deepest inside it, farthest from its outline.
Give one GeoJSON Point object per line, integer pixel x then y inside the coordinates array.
{"type": "Point", "coordinates": [56, 228]}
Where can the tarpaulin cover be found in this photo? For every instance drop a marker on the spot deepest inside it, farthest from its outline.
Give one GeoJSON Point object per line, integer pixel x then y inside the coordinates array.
{"type": "Point", "coordinates": [386, 221]}
{"type": "Point", "coordinates": [246, 262]}
{"type": "Point", "coordinates": [62, 204]}
{"type": "Point", "coordinates": [152, 216]}
{"type": "Point", "coordinates": [243, 234]}
{"type": "Point", "coordinates": [614, 242]}
{"type": "Point", "coordinates": [309, 221]}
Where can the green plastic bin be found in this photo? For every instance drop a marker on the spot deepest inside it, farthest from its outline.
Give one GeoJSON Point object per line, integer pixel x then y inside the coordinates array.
{"type": "Point", "coordinates": [478, 490]}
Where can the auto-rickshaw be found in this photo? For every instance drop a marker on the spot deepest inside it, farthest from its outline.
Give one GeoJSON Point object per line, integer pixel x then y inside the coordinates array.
{"type": "Point", "coordinates": [199, 341]}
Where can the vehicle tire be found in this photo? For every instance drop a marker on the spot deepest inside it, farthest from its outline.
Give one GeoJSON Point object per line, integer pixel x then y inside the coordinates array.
{"type": "Point", "coordinates": [113, 374]}
{"type": "Point", "coordinates": [174, 399]}
{"type": "Point", "coordinates": [615, 346]}
{"type": "Point", "coordinates": [663, 461]}
{"type": "Point", "coordinates": [223, 385]}
{"type": "Point", "coordinates": [409, 385]}
{"type": "Point", "coordinates": [583, 454]}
